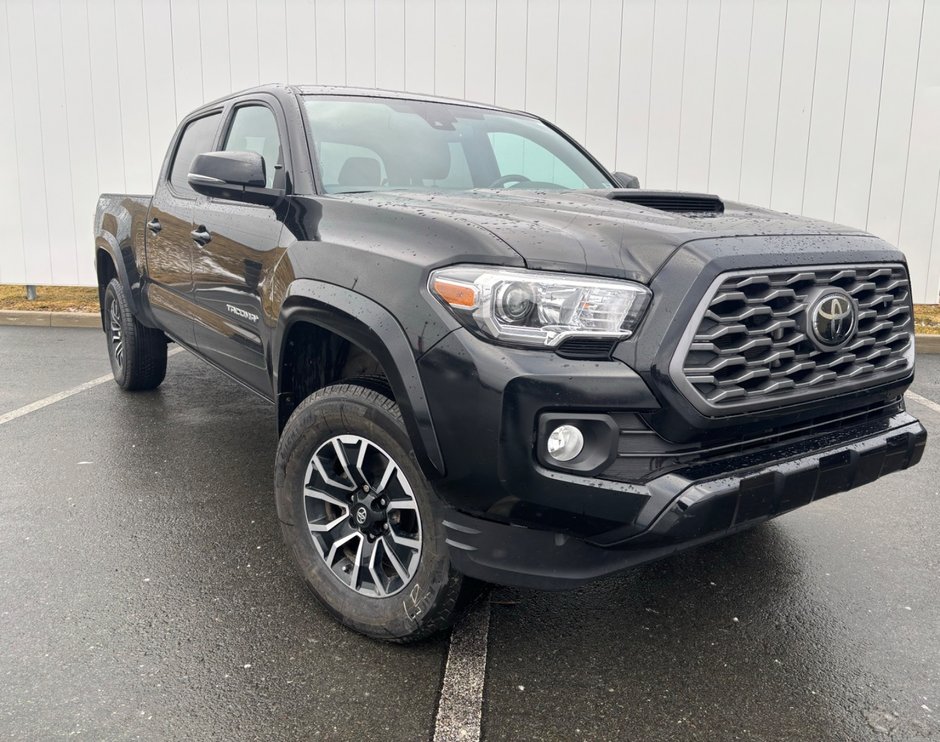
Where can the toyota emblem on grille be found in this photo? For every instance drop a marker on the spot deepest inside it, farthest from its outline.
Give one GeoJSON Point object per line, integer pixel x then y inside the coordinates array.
{"type": "Point", "coordinates": [832, 319]}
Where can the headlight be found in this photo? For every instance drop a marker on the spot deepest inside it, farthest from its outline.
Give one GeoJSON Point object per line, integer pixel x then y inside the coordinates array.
{"type": "Point", "coordinates": [537, 308]}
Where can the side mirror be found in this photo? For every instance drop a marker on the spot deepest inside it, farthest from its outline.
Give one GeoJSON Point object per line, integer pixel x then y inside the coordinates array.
{"type": "Point", "coordinates": [625, 180]}
{"type": "Point", "coordinates": [236, 176]}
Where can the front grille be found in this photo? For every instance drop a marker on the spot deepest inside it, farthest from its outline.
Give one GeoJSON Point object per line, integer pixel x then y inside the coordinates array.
{"type": "Point", "coordinates": [748, 345]}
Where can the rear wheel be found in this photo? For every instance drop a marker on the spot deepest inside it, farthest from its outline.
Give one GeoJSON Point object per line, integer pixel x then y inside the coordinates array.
{"type": "Point", "coordinates": [137, 353]}
{"type": "Point", "coordinates": [360, 517]}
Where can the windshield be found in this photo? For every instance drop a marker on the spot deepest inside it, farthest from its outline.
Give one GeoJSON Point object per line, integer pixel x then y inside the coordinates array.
{"type": "Point", "coordinates": [373, 144]}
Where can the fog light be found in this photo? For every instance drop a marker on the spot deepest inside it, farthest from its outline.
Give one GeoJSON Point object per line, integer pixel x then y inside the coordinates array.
{"type": "Point", "coordinates": [565, 443]}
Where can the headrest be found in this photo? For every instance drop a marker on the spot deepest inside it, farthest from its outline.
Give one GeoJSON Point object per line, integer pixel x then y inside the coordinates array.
{"type": "Point", "coordinates": [433, 162]}
{"type": "Point", "coordinates": [360, 171]}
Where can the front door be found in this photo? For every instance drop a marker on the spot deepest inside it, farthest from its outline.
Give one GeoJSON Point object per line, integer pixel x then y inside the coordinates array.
{"type": "Point", "coordinates": [169, 232]}
{"type": "Point", "coordinates": [236, 249]}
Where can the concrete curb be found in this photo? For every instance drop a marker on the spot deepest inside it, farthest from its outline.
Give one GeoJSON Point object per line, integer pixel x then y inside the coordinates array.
{"type": "Point", "coordinates": [925, 343]}
{"type": "Point", "coordinates": [49, 319]}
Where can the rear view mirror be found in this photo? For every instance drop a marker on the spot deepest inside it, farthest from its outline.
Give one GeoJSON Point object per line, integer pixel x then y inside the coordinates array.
{"type": "Point", "coordinates": [236, 176]}
{"type": "Point", "coordinates": [625, 180]}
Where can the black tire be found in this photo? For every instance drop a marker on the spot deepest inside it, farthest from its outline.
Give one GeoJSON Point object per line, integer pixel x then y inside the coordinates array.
{"type": "Point", "coordinates": [428, 601]}
{"type": "Point", "coordinates": [137, 353]}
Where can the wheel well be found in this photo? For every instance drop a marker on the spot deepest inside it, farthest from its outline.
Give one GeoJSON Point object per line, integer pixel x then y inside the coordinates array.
{"type": "Point", "coordinates": [315, 357]}
{"type": "Point", "coordinates": [106, 270]}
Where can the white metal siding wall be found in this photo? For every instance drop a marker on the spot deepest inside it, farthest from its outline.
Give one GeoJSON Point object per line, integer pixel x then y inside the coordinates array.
{"type": "Point", "coordinates": [829, 108]}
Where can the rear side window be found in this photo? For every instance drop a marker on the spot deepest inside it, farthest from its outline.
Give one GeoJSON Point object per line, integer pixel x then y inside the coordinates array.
{"type": "Point", "coordinates": [254, 129]}
{"type": "Point", "coordinates": [198, 137]}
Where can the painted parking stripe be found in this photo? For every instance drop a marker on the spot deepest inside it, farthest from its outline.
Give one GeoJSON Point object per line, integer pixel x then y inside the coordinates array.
{"type": "Point", "coordinates": [461, 706]}
{"type": "Point", "coordinates": [929, 403]}
{"type": "Point", "coordinates": [59, 396]}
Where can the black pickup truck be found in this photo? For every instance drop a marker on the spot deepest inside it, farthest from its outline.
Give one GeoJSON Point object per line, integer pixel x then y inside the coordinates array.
{"type": "Point", "coordinates": [491, 359]}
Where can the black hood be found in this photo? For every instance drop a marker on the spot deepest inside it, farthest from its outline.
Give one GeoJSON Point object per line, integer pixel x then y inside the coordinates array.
{"type": "Point", "coordinates": [591, 232]}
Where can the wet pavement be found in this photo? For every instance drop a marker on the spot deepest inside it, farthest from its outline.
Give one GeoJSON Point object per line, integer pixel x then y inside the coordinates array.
{"type": "Point", "coordinates": [145, 594]}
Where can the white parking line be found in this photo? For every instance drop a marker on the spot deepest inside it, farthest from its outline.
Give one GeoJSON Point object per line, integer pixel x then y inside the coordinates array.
{"type": "Point", "coordinates": [59, 396]}
{"type": "Point", "coordinates": [461, 707]}
{"type": "Point", "coordinates": [929, 403]}
{"type": "Point", "coordinates": [52, 399]}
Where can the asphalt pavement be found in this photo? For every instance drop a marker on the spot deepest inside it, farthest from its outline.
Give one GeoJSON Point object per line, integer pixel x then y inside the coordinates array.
{"type": "Point", "coordinates": [145, 594]}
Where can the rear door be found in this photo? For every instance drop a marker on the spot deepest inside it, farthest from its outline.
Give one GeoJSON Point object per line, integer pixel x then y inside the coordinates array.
{"type": "Point", "coordinates": [233, 262]}
{"type": "Point", "coordinates": [169, 227]}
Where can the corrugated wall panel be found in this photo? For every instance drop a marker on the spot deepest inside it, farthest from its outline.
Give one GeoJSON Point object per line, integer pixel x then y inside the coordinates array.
{"type": "Point", "coordinates": [480, 59]}
{"type": "Point", "coordinates": [729, 110]}
{"type": "Point", "coordinates": [390, 44]}
{"type": "Point", "coordinates": [796, 105]}
{"type": "Point", "coordinates": [634, 73]}
{"type": "Point", "coordinates": [450, 18]}
{"type": "Point", "coordinates": [665, 102]}
{"type": "Point", "coordinates": [12, 245]}
{"type": "Point", "coordinates": [187, 56]}
{"type": "Point", "coordinates": [833, 50]}
{"type": "Point", "coordinates": [300, 40]}
{"type": "Point", "coordinates": [862, 102]}
{"type": "Point", "coordinates": [139, 173]}
{"type": "Point", "coordinates": [79, 130]}
{"type": "Point", "coordinates": [893, 135]}
{"type": "Point", "coordinates": [604, 55]}
{"type": "Point", "coordinates": [31, 171]}
{"type": "Point", "coordinates": [698, 93]}
{"type": "Point", "coordinates": [768, 32]}
{"type": "Point", "coordinates": [56, 155]}
{"type": "Point", "coordinates": [361, 35]}
{"type": "Point", "coordinates": [829, 108]}
{"type": "Point", "coordinates": [922, 182]}
{"type": "Point", "coordinates": [541, 47]}
{"type": "Point", "coordinates": [571, 69]}
{"type": "Point", "coordinates": [419, 45]}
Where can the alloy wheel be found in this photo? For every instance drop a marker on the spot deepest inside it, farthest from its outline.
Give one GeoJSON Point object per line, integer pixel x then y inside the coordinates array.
{"type": "Point", "coordinates": [116, 333]}
{"type": "Point", "coordinates": [362, 516]}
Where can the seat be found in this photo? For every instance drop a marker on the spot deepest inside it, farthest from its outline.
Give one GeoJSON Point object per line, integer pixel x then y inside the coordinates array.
{"type": "Point", "coordinates": [360, 171]}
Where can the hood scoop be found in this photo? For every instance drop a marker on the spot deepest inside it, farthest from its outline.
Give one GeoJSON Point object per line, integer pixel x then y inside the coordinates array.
{"type": "Point", "coordinates": [682, 203]}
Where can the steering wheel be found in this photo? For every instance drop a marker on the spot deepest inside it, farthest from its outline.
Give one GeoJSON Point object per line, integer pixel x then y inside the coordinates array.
{"type": "Point", "coordinates": [511, 178]}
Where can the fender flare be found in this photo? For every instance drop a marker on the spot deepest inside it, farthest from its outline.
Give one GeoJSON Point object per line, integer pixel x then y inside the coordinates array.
{"type": "Point", "coordinates": [124, 264]}
{"type": "Point", "coordinates": [362, 321]}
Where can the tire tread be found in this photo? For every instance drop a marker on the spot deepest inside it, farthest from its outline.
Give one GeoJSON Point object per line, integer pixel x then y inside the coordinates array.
{"type": "Point", "coordinates": [145, 351]}
{"type": "Point", "coordinates": [454, 594]}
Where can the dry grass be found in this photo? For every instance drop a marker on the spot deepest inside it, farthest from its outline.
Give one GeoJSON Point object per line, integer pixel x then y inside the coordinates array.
{"type": "Point", "coordinates": [927, 319]}
{"type": "Point", "coordinates": [50, 298]}
{"type": "Point", "coordinates": [83, 299]}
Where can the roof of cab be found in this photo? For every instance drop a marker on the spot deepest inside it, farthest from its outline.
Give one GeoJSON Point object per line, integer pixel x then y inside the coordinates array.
{"type": "Point", "coordinates": [356, 91]}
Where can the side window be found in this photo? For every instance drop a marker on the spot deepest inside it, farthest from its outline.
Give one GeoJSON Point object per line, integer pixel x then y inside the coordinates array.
{"type": "Point", "coordinates": [254, 129]}
{"type": "Point", "coordinates": [198, 137]}
{"type": "Point", "coordinates": [516, 155]}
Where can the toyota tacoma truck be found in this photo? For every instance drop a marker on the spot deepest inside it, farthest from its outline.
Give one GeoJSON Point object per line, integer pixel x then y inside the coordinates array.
{"type": "Point", "coordinates": [490, 358]}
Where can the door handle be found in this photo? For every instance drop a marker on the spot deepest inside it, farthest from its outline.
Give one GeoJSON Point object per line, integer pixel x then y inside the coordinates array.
{"type": "Point", "coordinates": [154, 225]}
{"type": "Point", "coordinates": [201, 235]}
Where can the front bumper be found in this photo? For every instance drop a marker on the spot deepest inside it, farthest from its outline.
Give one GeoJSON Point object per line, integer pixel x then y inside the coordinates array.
{"type": "Point", "coordinates": [675, 475]}
{"type": "Point", "coordinates": [487, 402]}
{"type": "Point", "coordinates": [691, 509]}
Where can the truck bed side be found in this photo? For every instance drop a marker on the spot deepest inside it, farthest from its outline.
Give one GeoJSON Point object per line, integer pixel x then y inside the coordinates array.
{"type": "Point", "coordinates": [120, 243]}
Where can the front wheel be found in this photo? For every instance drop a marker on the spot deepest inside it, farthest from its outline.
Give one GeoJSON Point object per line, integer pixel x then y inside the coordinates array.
{"type": "Point", "coordinates": [360, 517]}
